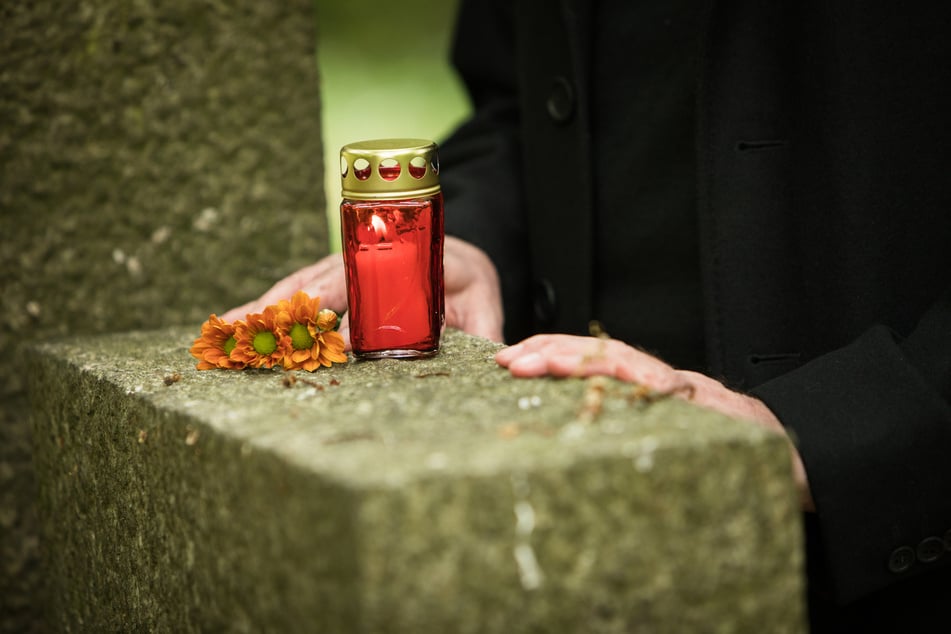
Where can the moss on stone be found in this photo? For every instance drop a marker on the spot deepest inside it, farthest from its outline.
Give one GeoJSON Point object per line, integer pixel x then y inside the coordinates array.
{"type": "Point", "coordinates": [159, 161]}
{"type": "Point", "coordinates": [419, 496]}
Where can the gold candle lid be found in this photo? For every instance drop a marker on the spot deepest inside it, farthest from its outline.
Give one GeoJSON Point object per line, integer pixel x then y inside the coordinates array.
{"type": "Point", "coordinates": [384, 169]}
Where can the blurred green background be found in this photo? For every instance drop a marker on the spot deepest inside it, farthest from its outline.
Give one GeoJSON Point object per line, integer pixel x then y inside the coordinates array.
{"type": "Point", "coordinates": [385, 72]}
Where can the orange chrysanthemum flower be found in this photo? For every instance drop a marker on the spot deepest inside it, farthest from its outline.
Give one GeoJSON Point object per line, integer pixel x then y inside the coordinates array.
{"type": "Point", "coordinates": [259, 341]}
{"type": "Point", "coordinates": [326, 320]}
{"type": "Point", "coordinates": [302, 321]}
{"type": "Point", "coordinates": [214, 347]}
{"type": "Point", "coordinates": [331, 348]}
{"type": "Point", "coordinates": [295, 334]}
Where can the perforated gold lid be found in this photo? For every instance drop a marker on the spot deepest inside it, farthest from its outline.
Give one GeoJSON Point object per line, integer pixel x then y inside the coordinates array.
{"type": "Point", "coordinates": [389, 168]}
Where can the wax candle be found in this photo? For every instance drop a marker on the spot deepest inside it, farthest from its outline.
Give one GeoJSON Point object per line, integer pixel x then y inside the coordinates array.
{"type": "Point", "coordinates": [392, 230]}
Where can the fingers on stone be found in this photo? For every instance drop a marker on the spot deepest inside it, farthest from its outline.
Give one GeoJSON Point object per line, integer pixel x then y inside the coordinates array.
{"type": "Point", "coordinates": [531, 364]}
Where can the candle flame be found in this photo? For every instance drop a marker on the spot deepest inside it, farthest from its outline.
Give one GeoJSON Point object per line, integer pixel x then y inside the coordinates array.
{"type": "Point", "coordinates": [379, 226]}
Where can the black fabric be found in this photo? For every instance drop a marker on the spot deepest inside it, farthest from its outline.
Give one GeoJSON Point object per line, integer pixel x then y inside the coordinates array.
{"type": "Point", "coordinates": [647, 265]}
{"type": "Point", "coordinates": [486, 151]}
{"type": "Point", "coordinates": [552, 52]}
{"type": "Point", "coordinates": [852, 412]}
{"type": "Point", "coordinates": [823, 195]}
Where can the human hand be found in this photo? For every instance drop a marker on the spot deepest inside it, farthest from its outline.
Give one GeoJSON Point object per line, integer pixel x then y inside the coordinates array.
{"type": "Point", "coordinates": [324, 279]}
{"type": "Point", "coordinates": [567, 355]}
{"type": "Point", "coordinates": [473, 297]}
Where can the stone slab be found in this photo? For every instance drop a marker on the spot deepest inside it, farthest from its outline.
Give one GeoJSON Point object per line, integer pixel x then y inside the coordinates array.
{"type": "Point", "coordinates": [158, 161]}
{"type": "Point", "coordinates": [438, 495]}
{"type": "Point", "coordinates": [146, 144]}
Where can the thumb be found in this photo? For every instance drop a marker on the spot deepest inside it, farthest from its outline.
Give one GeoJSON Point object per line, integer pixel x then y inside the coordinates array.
{"type": "Point", "coordinates": [475, 318]}
{"type": "Point", "coordinates": [344, 331]}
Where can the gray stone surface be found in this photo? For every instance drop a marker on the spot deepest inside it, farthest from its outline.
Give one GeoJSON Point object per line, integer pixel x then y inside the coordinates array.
{"type": "Point", "coordinates": [158, 161]}
{"type": "Point", "coordinates": [438, 495]}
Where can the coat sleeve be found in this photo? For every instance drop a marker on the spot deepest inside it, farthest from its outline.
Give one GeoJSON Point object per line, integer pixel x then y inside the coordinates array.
{"type": "Point", "coordinates": [481, 160]}
{"type": "Point", "coordinates": [872, 422]}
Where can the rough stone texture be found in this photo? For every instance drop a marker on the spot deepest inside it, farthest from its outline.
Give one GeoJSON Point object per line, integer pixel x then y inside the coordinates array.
{"type": "Point", "coordinates": [438, 496]}
{"type": "Point", "coordinates": [158, 161]}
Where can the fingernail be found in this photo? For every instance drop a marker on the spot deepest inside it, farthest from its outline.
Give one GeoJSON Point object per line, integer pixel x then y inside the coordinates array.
{"type": "Point", "coordinates": [531, 363]}
{"type": "Point", "coordinates": [505, 355]}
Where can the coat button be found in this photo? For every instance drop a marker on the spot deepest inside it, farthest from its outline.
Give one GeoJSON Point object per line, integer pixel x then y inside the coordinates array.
{"type": "Point", "coordinates": [561, 100]}
{"type": "Point", "coordinates": [901, 559]}
{"type": "Point", "coordinates": [546, 303]}
{"type": "Point", "coordinates": [930, 549]}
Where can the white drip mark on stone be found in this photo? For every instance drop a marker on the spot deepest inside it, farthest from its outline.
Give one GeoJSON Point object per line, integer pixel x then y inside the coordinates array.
{"type": "Point", "coordinates": [571, 432]}
{"type": "Point", "coordinates": [206, 220]}
{"type": "Point", "coordinates": [524, 519]}
{"type": "Point", "coordinates": [437, 461]}
{"type": "Point", "coordinates": [529, 572]}
{"type": "Point", "coordinates": [643, 454]}
{"type": "Point", "coordinates": [528, 402]}
{"type": "Point", "coordinates": [644, 462]}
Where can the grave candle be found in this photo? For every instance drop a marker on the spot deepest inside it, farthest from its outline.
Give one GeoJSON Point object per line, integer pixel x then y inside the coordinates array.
{"type": "Point", "coordinates": [392, 233]}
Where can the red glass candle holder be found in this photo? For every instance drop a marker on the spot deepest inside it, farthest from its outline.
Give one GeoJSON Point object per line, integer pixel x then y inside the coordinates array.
{"type": "Point", "coordinates": [391, 222]}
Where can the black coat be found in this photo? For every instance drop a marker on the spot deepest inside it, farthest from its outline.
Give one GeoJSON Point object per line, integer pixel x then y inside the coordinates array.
{"type": "Point", "coordinates": [824, 216]}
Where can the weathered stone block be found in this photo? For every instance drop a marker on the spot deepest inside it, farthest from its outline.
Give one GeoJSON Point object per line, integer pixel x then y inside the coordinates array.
{"type": "Point", "coordinates": [145, 144]}
{"type": "Point", "coordinates": [438, 495]}
{"type": "Point", "coordinates": [158, 160]}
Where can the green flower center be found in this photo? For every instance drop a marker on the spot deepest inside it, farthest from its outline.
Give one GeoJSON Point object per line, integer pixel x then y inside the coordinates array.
{"type": "Point", "coordinates": [229, 345]}
{"type": "Point", "coordinates": [300, 337]}
{"type": "Point", "coordinates": [264, 342]}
